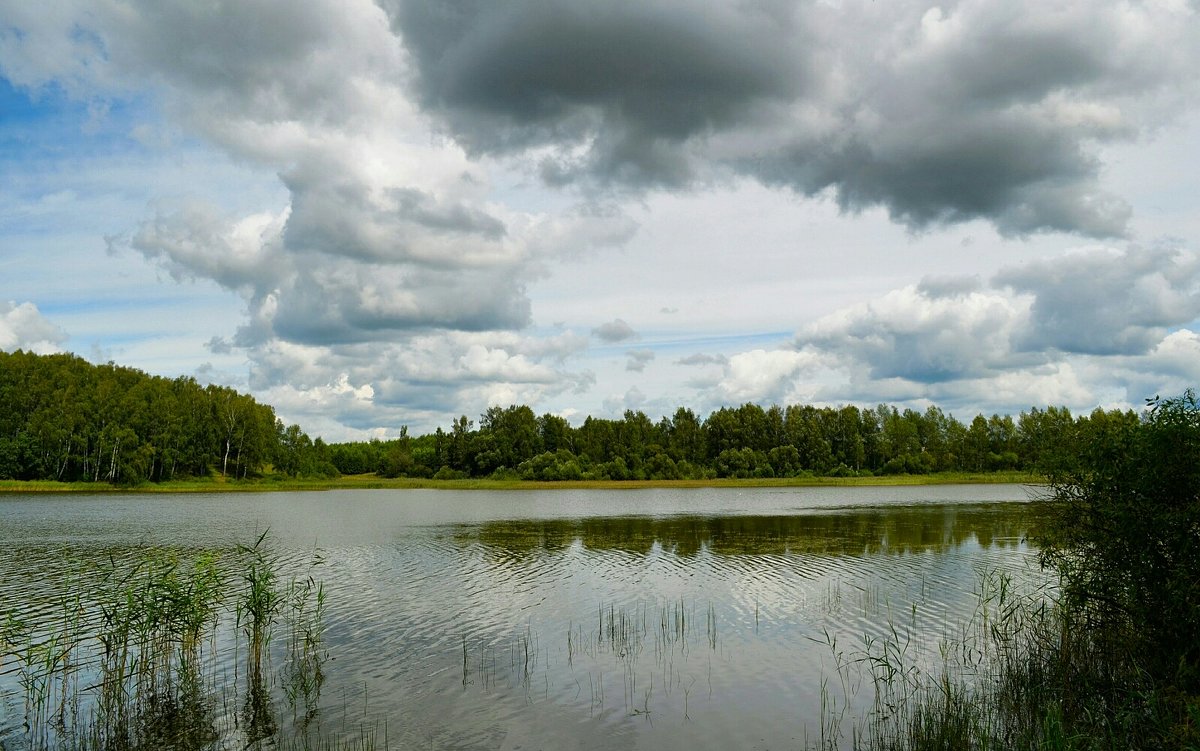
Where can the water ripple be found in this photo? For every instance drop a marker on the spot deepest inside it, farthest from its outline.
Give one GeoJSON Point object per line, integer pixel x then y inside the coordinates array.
{"type": "Point", "coordinates": [466, 628]}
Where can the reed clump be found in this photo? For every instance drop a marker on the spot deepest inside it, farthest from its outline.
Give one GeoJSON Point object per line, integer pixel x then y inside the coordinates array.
{"type": "Point", "coordinates": [129, 662]}
{"type": "Point", "coordinates": [303, 674]}
{"type": "Point", "coordinates": [261, 600]}
{"type": "Point", "coordinates": [154, 622]}
{"type": "Point", "coordinates": [1028, 672]}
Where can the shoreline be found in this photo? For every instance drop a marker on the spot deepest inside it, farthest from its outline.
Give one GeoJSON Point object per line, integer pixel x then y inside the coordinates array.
{"type": "Point", "coordinates": [372, 482]}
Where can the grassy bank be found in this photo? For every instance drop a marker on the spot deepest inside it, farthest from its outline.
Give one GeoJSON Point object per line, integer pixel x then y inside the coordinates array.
{"type": "Point", "coordinates": [371, 481]}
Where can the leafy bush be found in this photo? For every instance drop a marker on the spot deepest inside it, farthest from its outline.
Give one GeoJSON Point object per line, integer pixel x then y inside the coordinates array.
{"type": "Point", "coordinates": [551, 465]}
{"type": "Point", "coordinates": [1123, 531]}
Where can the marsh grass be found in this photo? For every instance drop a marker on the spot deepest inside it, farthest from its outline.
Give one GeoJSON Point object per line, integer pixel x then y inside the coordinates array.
{"type": "Point", "coordinates": [128, 661]}
{"type": "Point", "coordinates": [154, 623]}
{"type": "Point", "coordinates": [1025, 672]}
{"type": "Point", "coordinates": [303, 674]}
{"type": "Point", "coordinates": [261, 600]}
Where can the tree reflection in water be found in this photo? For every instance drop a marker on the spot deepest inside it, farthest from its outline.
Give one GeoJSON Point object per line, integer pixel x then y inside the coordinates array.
{"type": "Point", "coordinates": [859, 531]}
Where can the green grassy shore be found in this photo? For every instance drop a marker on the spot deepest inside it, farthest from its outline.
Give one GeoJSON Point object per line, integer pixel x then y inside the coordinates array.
{"type": "Point", "coordinates": [370, 481]}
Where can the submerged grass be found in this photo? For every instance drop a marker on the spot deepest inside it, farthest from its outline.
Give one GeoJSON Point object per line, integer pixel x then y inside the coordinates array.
{"type": "Point", "coordinates": [643, 646]}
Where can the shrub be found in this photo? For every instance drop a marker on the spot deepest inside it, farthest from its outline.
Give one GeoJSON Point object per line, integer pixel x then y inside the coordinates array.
{"type": "Point", "coordinates": [1123, 531]}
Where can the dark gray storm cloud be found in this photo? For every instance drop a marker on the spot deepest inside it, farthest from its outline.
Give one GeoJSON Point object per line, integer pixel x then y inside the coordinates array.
{"type": "Point", "coordinates": [988, 110]}
{"type": "Point", "coordinates": [635, 78]}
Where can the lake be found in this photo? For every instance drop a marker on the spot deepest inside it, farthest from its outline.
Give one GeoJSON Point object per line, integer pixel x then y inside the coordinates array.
{"type": "Point", "coordinates": [585, 619]}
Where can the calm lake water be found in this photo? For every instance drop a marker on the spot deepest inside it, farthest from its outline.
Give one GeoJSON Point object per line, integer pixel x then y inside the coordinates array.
{"type": "Point", "coordinates": [586, 619]}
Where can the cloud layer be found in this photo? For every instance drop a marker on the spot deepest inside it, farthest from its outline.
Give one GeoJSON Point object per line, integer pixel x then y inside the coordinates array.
{"type": "Point", "coordinates": [435, 161]}
{"type": "Point", "coordinates": [976, 109]}
{"type": "Point", "coordinates": [1030, 335]}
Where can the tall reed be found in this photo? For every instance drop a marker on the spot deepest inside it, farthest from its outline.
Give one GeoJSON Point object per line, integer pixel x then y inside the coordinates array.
{"type": "Point", "coordinates": [1023, 674]}
{"type": "Point", "coordinates": [123, 664]}
{"type": "Point", "coordinates": [261, 600]}
{"type": "Point", "coordinates": [154, 620]}
{"type": "Point", "coordinates": [304, 613]}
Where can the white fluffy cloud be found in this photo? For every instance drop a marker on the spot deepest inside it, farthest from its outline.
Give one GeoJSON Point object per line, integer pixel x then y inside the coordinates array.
{"type": "Point", "coordinates": [919, 335]}
{"type": "Point", "coordinates": [764, 376]}
{"type": "Point", "coordinates": [1104, 301]}
{"type": "Point", "coordinates": [1072, 329]}
{"type": "Point", "coordinates": [388, 229]}
{"type": "Point", "coordinates": [24, 327]}
{"type": "Point", "coordinates": [373, 388]}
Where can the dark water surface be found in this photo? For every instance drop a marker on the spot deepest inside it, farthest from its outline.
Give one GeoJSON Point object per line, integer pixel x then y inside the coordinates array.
{"type": "Point", "coordinates": [590, 619]}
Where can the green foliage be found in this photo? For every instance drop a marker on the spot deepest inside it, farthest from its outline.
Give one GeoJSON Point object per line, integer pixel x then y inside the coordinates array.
{"type": "Point", "coordinates": [62, 418]}
{"type": "Point", "coordinates": [660, 466]}
{"type": "Point", "coordinates": [1114, 662]}
{"type": "Point", "coordinates": [1124, 533]}
{"type": "Point", "coordinates": [556, 465]}
{"type": "Point", "coordinates": [746, 442]}
{"type": "Point", "coordinates": [742, 463]}
{"type": "Point", "coordinates": [445, 473]}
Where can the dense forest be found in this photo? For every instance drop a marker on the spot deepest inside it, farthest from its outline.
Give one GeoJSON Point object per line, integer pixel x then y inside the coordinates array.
{"type": "Point", "coordinates": [62, 418]}
{"type": "Point", "coordinates": [737, 442]}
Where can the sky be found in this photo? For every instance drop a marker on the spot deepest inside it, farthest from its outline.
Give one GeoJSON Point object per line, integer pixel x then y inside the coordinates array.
{"type": "Point", "coordinates": [376, 214]}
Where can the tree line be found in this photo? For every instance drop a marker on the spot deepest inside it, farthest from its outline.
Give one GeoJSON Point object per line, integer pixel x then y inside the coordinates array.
{"type": "Point", "coordinates": [749, 441]}
{"type": "Point", "coordinates": [63, 418]}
